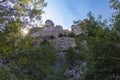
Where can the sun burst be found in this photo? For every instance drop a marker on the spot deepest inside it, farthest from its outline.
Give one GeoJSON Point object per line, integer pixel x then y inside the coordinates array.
{"type": "Point", "coordinates": [24, 31]}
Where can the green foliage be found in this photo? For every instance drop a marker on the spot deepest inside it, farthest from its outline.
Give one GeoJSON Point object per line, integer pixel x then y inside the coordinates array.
{"type": "Point", "coordinates": [4, 75]}
{"type": "Point", "coordinates": [115, 5]}
{"type": "Point", "coordinates": [102, 52]}
{"type": "Point", "coordinates": [58, 74]}
{"type": "Point", "coordinates": [102, 60]}
{"type": "Point", "coordinates": [73, 58]}
{"type": "Point", "coordinates": [61, 35]}
{"type": "Point", "coordinates": [45, 42]}
{"type": "Point", "coordinates": [71, 35]}
{"type": "Point", "coordinates": [52, 37]}
{"type": "Point", "coordinates": [12, 42]}
{"type": "Point", "coordinates": [35, 63]}
{"type": "Point", "coordinates": [22, 10]}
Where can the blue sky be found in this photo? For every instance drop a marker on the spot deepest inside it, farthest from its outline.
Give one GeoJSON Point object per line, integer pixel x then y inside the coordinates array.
{"type": "Point", "coordinates": [63, 12]}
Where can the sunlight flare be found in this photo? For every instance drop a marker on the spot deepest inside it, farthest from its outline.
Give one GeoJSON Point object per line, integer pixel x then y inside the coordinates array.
{"type": "Point", "coordinates": [24, 31]}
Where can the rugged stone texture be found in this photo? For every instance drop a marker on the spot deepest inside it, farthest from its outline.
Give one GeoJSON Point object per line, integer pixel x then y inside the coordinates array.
{"type": "Point", "coordinates": [75, 72]}
{"type": "Point", "coordinates": [34, 30]}
{"type": "Point", "coordinates": [117, 78]}
{"type": "Point", "coordinates": [47, 30]}
{"type": "Point", "coordinates": [61, 43]}
{"type": "Point", "coordinates": [43, 33]}
{"type": "Point", "coordinates": [61, 62]}
{"type": "Point", "coordinates": [66, 31]}
{"type": "Point", "coordinates": [76, 29]}
{"type": "Point", "coordinates": [1, 63]}
{"type": "Point", "coordinates": [49, 23]}
{"type": "Point", "coordinates": [65, 43]}
{"type": "Point", "coordinates": [83, 43]}
{"type": "Point", "coordinates": [58, 28]}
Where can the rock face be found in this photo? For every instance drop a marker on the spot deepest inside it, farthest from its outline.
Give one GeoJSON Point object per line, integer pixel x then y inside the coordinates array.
{"type": "Point", "coordinates": [49, 23]}
{"type": "Point", "coordinates": [34, 30]}
{"type": "Point", "coordinates": [66, 31]}
{"type": "Point", "coordinates": [65, 43]}
{"type": "Point", "coordinates": [58, 28]}
{"type": "Point", "coordinates": [1, 63]}
{"type": "Point", "coordinates": [49, 29]}
{"type": "Point", "coordinates": [75, 72]}
{"type": "Point", "coordinates": [76, 29]}
{"type": "Point", "coordinates": [117, 78]}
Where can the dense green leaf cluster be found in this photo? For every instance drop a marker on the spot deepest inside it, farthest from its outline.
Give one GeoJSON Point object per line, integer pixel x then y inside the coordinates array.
{"type": "Point", "coordinates": [102, 55]}
{"type": "Point", "coordinates": [34, 63]}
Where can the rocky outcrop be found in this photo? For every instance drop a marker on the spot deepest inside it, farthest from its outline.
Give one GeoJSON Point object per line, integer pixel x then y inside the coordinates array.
{"type": "Point", "coordinates": [75, 72]}
{"type": "Point", "coordinates": [34, 30]}
{"type": "Point", "coordinates": [76, 29]}
{"type": "Point", "coordinates": [1, 63]}
{"type": "Point", "coordinates": [49, 23]}
{"type": "Point", "coordinates": [48, 30]}
{"type": "Point", "coordinates": [58, 28]}
{"type": "Point", "coordinates": [62, 43]}
{"type": "Point", "coordinates": [65, 43]}
{"type": "Point", "coordinates": [117, 78]}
